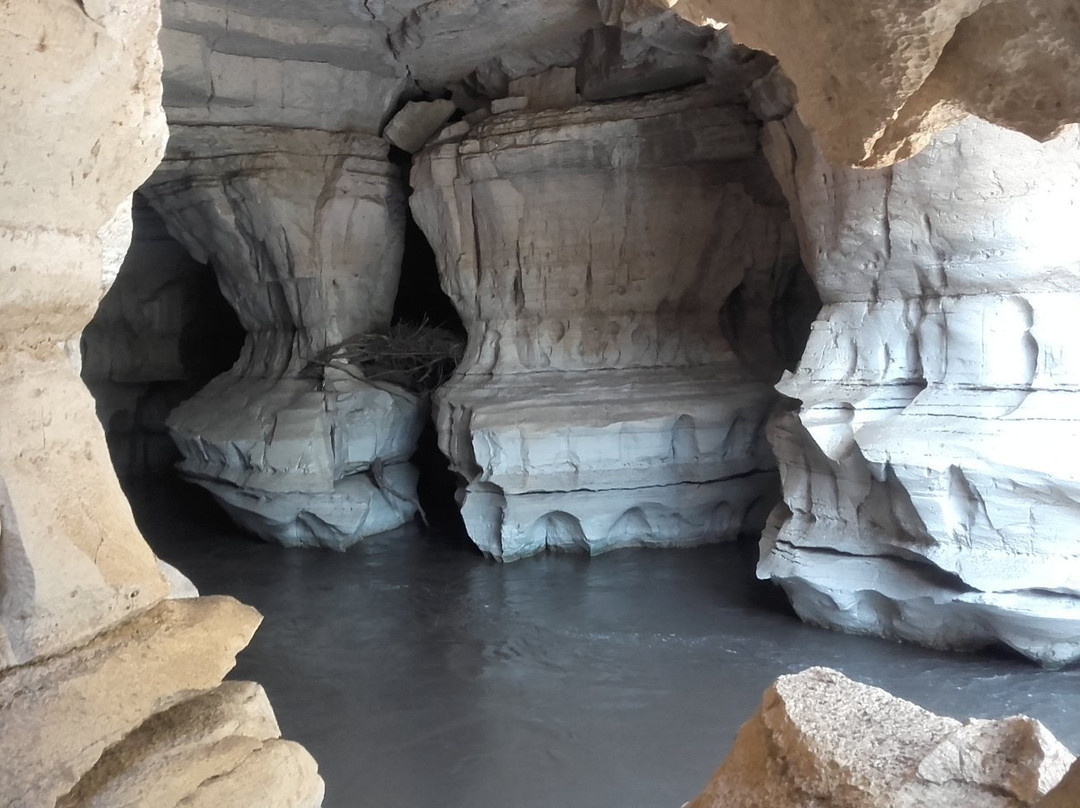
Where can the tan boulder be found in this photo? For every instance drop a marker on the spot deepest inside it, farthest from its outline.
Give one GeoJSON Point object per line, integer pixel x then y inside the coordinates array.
{"type": "Point", "coordinates": [171, 756]}
{"type": "Point", "coordinates": [820, 740]}
{"type": "Point", "coordinates": [59, 714]}
{"type": "Point", "coordinates": [280, 774]}
{"type": "Point", "coordinates": [877, 78]}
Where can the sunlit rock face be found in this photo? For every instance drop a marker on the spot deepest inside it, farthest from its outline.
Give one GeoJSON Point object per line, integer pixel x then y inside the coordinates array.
{"type": "Point", "coordinates": [877, 78]}
{"type": "Point", "coordinates": [589, 251]}
{"type": "Point", "coordinates": [819, 739]}
{"type": "Point", "coordinates": [929, 487]}
{"type": "Point", "coordinates": [305, 231]}
{"type": "Point", "coordinates": [92, 648]}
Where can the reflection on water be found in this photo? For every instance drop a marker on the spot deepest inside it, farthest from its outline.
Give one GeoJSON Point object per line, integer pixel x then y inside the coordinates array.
{"type": "Point", "coordinates": [420, 674]}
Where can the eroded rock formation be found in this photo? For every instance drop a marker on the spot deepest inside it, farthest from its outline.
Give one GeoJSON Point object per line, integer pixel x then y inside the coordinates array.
{"type": "Point", "coordinates": [304, 228]}
{"type": "Point", "coordinates": [821, 740]}
{"type": "Point", "coordinates": [930, 495]}
{"type": "Point", "coordinates": [877, 79]}
{"type": "Point", "coordinates": [90, 648]}
{"type": "Point", "coordinates": [159, 335]}
{"type": "Point", "coordinates": [589, 251]}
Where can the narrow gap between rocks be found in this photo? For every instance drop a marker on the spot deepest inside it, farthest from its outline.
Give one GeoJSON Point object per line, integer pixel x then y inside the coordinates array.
{"type": "Point", "coordinates": [421, 302]}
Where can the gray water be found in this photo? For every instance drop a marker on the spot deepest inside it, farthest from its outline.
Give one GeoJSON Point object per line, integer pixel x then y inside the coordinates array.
{"type": "Point", "coordinates": [420, 674]}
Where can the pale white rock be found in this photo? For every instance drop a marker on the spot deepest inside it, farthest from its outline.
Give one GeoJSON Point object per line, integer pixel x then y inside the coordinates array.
{"type": "Point", "coordinates": [821, 740]}
{"type": "Point", "coordinates": [589, 252]}
{"type": "Point", "coordinates": [927, 472]}
{"type": "Point", "coordinates": [416, 122]}
{"type": "Point", "coordinates": [553, 89]}
{"type": "Point", "coordinates": [237, 64]}
{"type": "Point", "coordinates": [304, 229]}
{"type": "Point", "coordinates": [180, 586]}
{"type": "Point", "coordinates": [509, 104]}
{"type": "Point", "coordinates": [1066, 794]}
{"type": "Point", "coordinates": [445, 40]}
{"type": "Point", "coordinates": [454, 131]}
{"type": "Point", "coordinates": [643, 49]}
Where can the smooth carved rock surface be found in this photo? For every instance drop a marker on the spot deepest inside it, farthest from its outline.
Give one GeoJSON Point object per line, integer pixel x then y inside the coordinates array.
{"type": "Point", "coordinates": [304, 229]}
{"type": "Point", "coordinates": [927, 474]}
{"type": "Point", "coordinates": [204, 746]}
{"type": "Point", "coordinates": [820, 740]}
{"type": "Point", "coordinates": [589, 252]}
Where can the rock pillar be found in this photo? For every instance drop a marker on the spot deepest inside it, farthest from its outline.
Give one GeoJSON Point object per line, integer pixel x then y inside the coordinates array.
{"type": "Point", "coordinates": [931, 492]}
{"type": "Point", "coordinates": [304, 229]}
{"type": "Point", "coordinates": [589, 252]}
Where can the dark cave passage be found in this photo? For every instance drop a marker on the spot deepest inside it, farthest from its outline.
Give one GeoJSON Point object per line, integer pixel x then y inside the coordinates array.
{"type": "Point", "coordinates": [162, 331]}
{"type": "Point", "coordinates": [421, 302]}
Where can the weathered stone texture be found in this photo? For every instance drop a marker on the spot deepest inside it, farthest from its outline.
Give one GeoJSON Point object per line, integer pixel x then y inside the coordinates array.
{"type": "Point", "coordinates": [877, 79]}
{"type": "Point", "coordinates": [820, 740]}
{"type": "Point", "coordinates": [927, 474]}
{"type": "Point", "coordinates": [88, 647]}
{"type": "Point", "coordinates": [304, 229]}
{"type": "Point", "coordinates": [71, 560]}
{"type": "Point", "coordinates": [589, 252]}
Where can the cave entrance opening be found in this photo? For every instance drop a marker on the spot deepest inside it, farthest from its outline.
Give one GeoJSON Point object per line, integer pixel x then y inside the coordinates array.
{"type": "Point", "coordinates": [161, 332]}
{"type": "Point", "coordinates": [421, 302]}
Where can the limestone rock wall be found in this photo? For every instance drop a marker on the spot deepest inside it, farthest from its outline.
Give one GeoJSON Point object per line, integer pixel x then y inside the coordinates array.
{"type": "Point", "coordinates": [930, 494]}
{"type": "Point", "coordinates": [311, 67]}
{"type": "Point", "coordinates": [161, 332]}
{"type": "Point", "coordinates": [90, 648]}
{"type": "Point", "coordinates": [820, 739]}
{"type": "Point", "coordinates": [589, 251]}
{"type": "Point", "coordinates": [304, 229]}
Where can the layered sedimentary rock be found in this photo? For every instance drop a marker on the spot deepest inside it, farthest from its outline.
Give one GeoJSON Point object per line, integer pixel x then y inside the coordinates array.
{"type": "Point", "coordinates": [90, 649]}
{"type": "Point", "coordinates": [589, 252]}
{"type": "Point", "coordinates": [303, 65]}
{"type": "Point", "coordinates": [304, 229]}
{"type": "Point", "coordinates": [930, 490]}
{"type": "Point", "coordinates": [820, 739]}
{"type": "Point", "coordinates": [160, 333]}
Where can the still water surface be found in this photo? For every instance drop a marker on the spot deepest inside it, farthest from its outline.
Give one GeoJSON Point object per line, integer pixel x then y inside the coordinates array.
{"type": "Point", "coordinates": [422, 675]}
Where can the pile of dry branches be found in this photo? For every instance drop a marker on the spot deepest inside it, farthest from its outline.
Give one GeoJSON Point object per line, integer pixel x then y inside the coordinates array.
{"type": "Point", "coordinates": [416, 357]}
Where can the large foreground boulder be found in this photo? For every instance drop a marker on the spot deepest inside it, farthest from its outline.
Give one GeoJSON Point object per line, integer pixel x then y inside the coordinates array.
{"type": "Point", "coordinates": [820, 740]}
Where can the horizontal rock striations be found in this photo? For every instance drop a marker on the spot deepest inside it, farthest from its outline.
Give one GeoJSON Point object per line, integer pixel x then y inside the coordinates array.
{"type": "Point", "coordinates": [589, 251]}
{"type": "Point", "coordinates": [304, 229]}
{"type": "Point", "coordinates": [930, 490]}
